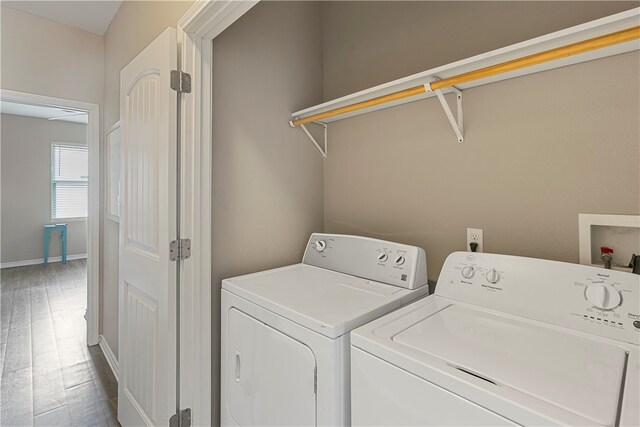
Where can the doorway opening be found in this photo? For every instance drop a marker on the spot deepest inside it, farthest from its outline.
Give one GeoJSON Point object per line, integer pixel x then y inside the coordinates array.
{"type": "Point", "coordinates": [49, 257]}
{"type": "Point", "coordinates": [50, 178]}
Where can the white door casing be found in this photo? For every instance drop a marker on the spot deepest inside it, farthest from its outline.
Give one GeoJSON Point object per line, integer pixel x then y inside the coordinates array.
{"type": "Point", "coordinates": [147, 279]}
{"type": "Point", "coordinates": [199, 320]}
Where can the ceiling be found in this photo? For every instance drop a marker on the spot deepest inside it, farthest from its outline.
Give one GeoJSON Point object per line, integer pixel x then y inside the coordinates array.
{"type": "Point", "coordinates": [61, 114]}
{"type": "Point", "coordinates": [87, 15]}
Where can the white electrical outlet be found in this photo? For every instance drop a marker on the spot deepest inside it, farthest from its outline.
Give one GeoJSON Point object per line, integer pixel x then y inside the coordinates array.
{"type": "Point", "coordinates": [474, 235]}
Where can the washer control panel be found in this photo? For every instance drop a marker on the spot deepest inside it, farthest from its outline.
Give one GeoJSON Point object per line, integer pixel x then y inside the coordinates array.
{"type": "Point", "coordinates": [582, 297]}
{"type": "Point", "coordinates": [387, 262]}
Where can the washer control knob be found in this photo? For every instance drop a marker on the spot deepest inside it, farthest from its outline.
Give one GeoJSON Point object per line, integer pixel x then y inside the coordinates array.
{"type": "Point", "coordinates": [604, 297]}
{"type": "Point", "coordinates": [321, 245]}
{"type": "Point", "coordinates": [382, 257]}
{"type": "Point", "coordinates": [400, 260]}
{"type": "Point", "coordinates": [493, 276]}
{"type": "Point", "coordinates": [468, 271]}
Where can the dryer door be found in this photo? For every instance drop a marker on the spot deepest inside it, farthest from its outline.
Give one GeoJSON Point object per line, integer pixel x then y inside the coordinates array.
{"type": "Point", "coordinates": [270, 376]}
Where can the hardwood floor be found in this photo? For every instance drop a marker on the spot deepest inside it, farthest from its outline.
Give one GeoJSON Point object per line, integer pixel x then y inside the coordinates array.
{"type": "Point", "coordinates": [49, 375]}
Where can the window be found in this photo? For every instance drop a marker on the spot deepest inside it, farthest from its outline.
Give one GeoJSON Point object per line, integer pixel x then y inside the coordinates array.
{"type": "Point", "coordinates": [69, 181]}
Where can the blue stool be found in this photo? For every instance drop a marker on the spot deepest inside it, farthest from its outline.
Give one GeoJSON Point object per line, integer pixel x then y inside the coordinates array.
{"type": "Point", "coordinates": [47, 237]}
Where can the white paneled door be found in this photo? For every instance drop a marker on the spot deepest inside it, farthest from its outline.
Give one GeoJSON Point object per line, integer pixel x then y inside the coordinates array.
{"type": "Point", "coordinates": [147, 322]}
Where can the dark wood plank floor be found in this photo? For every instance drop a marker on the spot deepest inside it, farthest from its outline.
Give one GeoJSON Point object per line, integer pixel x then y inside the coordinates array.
{"type": "Point", "coordinates": [49, 375]}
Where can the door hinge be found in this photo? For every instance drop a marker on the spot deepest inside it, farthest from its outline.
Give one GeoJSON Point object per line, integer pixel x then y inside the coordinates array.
{"type": "Point", "coordinates": [180, 81]}
{"type": "Point", "coordinates": [181, 418]}
{"type": "Point", "coordinates": [179, 249]}
{"type": "Point", "coordinates": [315, 380]}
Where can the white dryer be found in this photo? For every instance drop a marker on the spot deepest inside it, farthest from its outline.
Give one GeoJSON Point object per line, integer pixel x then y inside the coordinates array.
{"type": "Point", "coordinates": [504, 341]}
{"type": "Point", "coordinates": [285, 332]}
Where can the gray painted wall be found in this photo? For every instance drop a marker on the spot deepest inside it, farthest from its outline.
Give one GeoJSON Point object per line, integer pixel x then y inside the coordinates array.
{"type": "Point", "coordinates": [267, 177]}
{"type": "Point", "coordinates": [45, 57]}
{"type": "Point", "coordinates": [538, 149]}
{"type": "Point", "coordinates": [26, 187]}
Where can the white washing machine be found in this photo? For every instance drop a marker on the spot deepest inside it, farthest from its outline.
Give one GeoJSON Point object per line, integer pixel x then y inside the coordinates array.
{"type": "Point", "coordinates": [285, 332]}
{"type": "Point", "coordinates": [504, 341]}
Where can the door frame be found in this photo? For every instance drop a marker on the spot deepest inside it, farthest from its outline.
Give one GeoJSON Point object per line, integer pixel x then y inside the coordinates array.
{"type": "Point", "coordinates": [93, 217]}
{"type": "Point", "coordinates": [196, 30]}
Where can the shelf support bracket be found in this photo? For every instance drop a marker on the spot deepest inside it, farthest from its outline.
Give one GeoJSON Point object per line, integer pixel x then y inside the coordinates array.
{"type": "Point", "coordinates": [456, 124]}
{"type": "Point", "coordinates": [324, 151]}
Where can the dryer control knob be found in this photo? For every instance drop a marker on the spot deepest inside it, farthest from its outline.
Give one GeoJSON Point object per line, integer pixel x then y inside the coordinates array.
{"type": "Point", "coordinates": [604, 297]}
{"type": "Point", "coordinates": [493, 276]}
{"type": "Point", "coordinates": [321, 245]}
{"type": "Point", "coordinates": [468, 271]}
{"type": "Point", "coordinates": [382, 257]}
{"type": "Point", "coordinates": [400, 260]}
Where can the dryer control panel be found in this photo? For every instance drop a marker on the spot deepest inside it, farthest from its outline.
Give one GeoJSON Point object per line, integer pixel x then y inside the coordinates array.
{"type": "Point", "coordinates": [387, 262]}
{"type": "Point", "coordinates": [591, 299]}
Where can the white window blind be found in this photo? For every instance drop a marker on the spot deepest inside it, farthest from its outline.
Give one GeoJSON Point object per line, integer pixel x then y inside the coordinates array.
{"type": "Point", "coordinates": [69, 181]}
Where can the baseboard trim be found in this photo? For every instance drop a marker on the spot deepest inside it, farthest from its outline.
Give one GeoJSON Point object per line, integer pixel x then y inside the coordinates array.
{"type": "Point", "coordinates": [40, 261]}
{"type": "Point", "coordinates": [108, 354]}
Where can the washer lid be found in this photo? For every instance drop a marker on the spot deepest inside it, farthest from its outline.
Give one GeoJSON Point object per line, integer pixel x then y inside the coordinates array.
{"type": "Point", "coordinates": [325, 301]}
{"type": "Point", "coordinates": [570, 372]}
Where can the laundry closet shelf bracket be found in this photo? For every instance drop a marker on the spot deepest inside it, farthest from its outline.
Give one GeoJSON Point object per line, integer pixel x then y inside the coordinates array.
{"type": "Point", "coordinates": [456, 124]}
{"type": "Point", "coordinates": [323, 151]}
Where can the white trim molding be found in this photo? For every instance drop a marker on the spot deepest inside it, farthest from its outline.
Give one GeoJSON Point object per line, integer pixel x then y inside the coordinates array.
{"type": "Point", "coordinates": [109, 214]}
{"type": "Point", "coordinates": [93, 221]}
{"type": "Point", "coordinates": [37, 261]}
{"type": "Point", "coordinates": [206, 19]}
{"type": "Point", "coordinates": [196, 29]}
{"type": "Point", "coordinates": [112, 360]}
